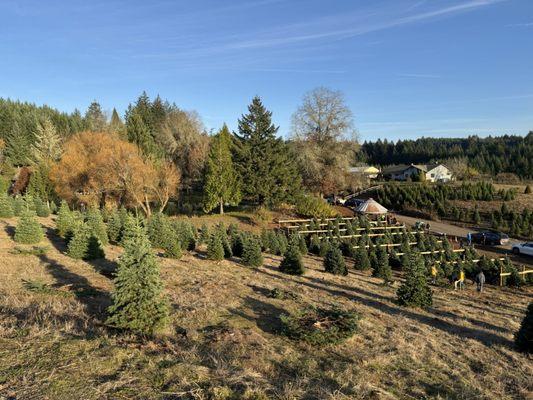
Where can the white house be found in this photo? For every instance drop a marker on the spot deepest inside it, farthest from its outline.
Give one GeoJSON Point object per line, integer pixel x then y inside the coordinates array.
{"type": "Point", "coordinates": [433, 172]}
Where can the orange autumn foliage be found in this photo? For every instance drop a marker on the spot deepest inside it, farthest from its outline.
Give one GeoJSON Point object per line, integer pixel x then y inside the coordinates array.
{"type": "Point", "coordinates": [99, 167]}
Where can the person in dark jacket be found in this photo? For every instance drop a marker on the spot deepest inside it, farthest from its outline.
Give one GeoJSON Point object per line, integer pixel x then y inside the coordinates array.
{"type": "Point", "coordinates": [480, 280]}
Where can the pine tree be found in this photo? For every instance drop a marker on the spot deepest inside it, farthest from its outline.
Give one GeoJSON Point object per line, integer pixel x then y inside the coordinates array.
{"type": "Point", "coordinates": [97, 225]}
{"type": "Point", "coordinates": [524, 336]}
{"type": "Point", "coordinates": [415, 291]}
{"type": "Point", "coordinates": [95, 118]}
{"type": "Point", "coordinates": [46, 147]}
{"type": "Point", "coordinates": [221, 181]}
{"type": "Point", "coordinates": [64, 219]}
{"type": "Point", "coordinates": [114, 227]}
{"type": "Point", "coordinates": [28, 230]}
{"type": "Point", "coordinates": [292, 261]}
{"type": "Point", "coordinates": [215, 249]}
{"type": "Point", "coordinates": [159, 227]}
{"type": "Point", "coordinates": [268, 169]}
{"type": "Point", "coordinates": [325, 247]}
{"type": "Point", "coordinates": [204, 234]}
{"type": "Point", "coordinates": [334, 261]}
{"type": "Point", "coordinates": [6, 206]}
{"type": "Point", "coordinates": [41, 208]}
{"type": "Point", "coordinates": [383, 269]}
{"type": "Point", "coordinates": [19, 205]}
{"type": "Point", "coordinates": [314, 244]}
{"type": "Point", "coordinates": [129, 224]}
{"type": "Point", "coordinates": [95, 249]}
{"type": "Point", "coordinates": [172, 246]}
{"type": "Point", "coordinates": [139, 304]}
{"type": "Point", "coordinates": [362, 262]}
{"type": "Point", "coordinates": [251, 253]}
{"type": "Point", "coordinates": [78, 245]}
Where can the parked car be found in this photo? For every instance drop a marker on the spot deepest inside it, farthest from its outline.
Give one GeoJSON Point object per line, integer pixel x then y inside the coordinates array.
{"type": "Point", "coordinates": [489, 238]}
{"type": "Point", "coordinates": [523, 248]}
{"type": "Point", "coordinates": [352, 202]}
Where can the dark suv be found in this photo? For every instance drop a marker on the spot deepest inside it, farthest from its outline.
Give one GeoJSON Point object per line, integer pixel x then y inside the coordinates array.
{"type": "Point", "coordinates": [490, 238]}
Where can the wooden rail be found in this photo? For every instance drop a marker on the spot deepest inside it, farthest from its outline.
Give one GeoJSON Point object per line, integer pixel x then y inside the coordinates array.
{"type": "Point", "coordinates": [371, 228]}
{"type": "Point", "coordinates": [523, 272]}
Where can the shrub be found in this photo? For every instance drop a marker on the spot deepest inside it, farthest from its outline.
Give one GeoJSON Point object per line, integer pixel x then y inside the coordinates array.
{"type": "Point", "coordinates": [320, 326]}
{"type": "Point", "coordinates": [251, 254]}
{"type": "Point", "coordinates": [292, 261]}
{"type": "Point", "coordinates": [524, 336]}
{"type": "Point", "coordinates": [64, 219]}
{"type": "Point", "coordinates": [383, 269]}
{"type": "Point", "coordinates": [313, 207]}
{"type": "Point", "coordinates": [334, 261]}
{"type": "Point", "coordinates": [139, 304]}
{"type": "Point", "coordinates": [215, 249]}
{"type": "Point", "coordinates": [6, 206]}
{"type": "Point", "coordinates": [415, 291]}
{"type": "Point", "coordinates": [96, 225]}
{"type": "Point", "coordinates": [28, 230]}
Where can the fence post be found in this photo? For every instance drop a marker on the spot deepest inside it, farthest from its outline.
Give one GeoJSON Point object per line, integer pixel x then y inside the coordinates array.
{"type": "Point", "coordinates": [501, 276]}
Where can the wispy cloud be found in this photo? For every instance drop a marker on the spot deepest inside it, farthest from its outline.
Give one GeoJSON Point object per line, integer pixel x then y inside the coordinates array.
{"type": "Point", "coordinates": [421, 76]}
{"type": "Point", "coordinates": [520, 25]}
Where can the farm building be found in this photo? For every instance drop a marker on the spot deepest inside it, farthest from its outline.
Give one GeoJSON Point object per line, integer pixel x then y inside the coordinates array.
{"type": "Point", "coordinates": [432, 172]}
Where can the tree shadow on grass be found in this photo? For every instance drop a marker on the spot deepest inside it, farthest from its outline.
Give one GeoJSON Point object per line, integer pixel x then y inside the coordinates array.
{"type": "Point", "coordinates": [94, 300]}
{"type": "Point", "coordinates": [487, 338]}
{"type": "Point", "coordinates": [265, 315]}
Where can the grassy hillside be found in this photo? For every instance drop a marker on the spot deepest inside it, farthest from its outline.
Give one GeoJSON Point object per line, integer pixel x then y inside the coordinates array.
{"type": "Point", "coordinates": [224, 340]}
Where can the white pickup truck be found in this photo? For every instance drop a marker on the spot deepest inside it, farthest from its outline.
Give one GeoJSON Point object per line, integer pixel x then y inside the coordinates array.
{"type": "Point", "coordinates": [523, 248]}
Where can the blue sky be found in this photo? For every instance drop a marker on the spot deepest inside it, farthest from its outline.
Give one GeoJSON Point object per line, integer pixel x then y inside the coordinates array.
{"type": "Point", "coordinates": [408, 68]}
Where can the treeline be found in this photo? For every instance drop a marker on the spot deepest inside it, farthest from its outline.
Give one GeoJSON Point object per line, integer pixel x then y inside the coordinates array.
{"type": "Point", "coordinates": [158, 151]}
{"type": "Point", "coordinates": [491, 155]}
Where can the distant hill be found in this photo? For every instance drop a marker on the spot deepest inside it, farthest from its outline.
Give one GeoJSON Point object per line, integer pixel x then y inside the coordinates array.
{"type": "Point", "coordinates": [491, 155]}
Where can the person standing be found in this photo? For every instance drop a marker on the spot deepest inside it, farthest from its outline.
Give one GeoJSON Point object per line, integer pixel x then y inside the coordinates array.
{"type": "Point", "coordinates": [460, 282]}
{"type": "Point", "coordinates": [480, 280]}
{"type": "Point", "coordinates": [434, 274]}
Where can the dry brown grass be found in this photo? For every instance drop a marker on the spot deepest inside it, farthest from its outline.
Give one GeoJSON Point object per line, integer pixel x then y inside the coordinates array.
{"type": "Point", "coordinates": [223, 341]}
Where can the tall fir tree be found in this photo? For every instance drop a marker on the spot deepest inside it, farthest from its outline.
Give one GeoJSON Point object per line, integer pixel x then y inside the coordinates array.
{"type": "Point", "coordinates": [268, 170]}
{"type": "Point", "coordinates": [221, 181]}
{"type": "Point", "coordinates": [139, 303]}
{"type": "Point", "coordinates": [95, 118]}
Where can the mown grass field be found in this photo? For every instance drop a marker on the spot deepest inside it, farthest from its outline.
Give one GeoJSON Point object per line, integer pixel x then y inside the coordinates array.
{"type": "Point", "coordinates": [224, 343]}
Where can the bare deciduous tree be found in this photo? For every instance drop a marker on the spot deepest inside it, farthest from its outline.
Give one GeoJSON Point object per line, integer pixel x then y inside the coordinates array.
{"type": "Point", "coordinates": [324, 136]}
